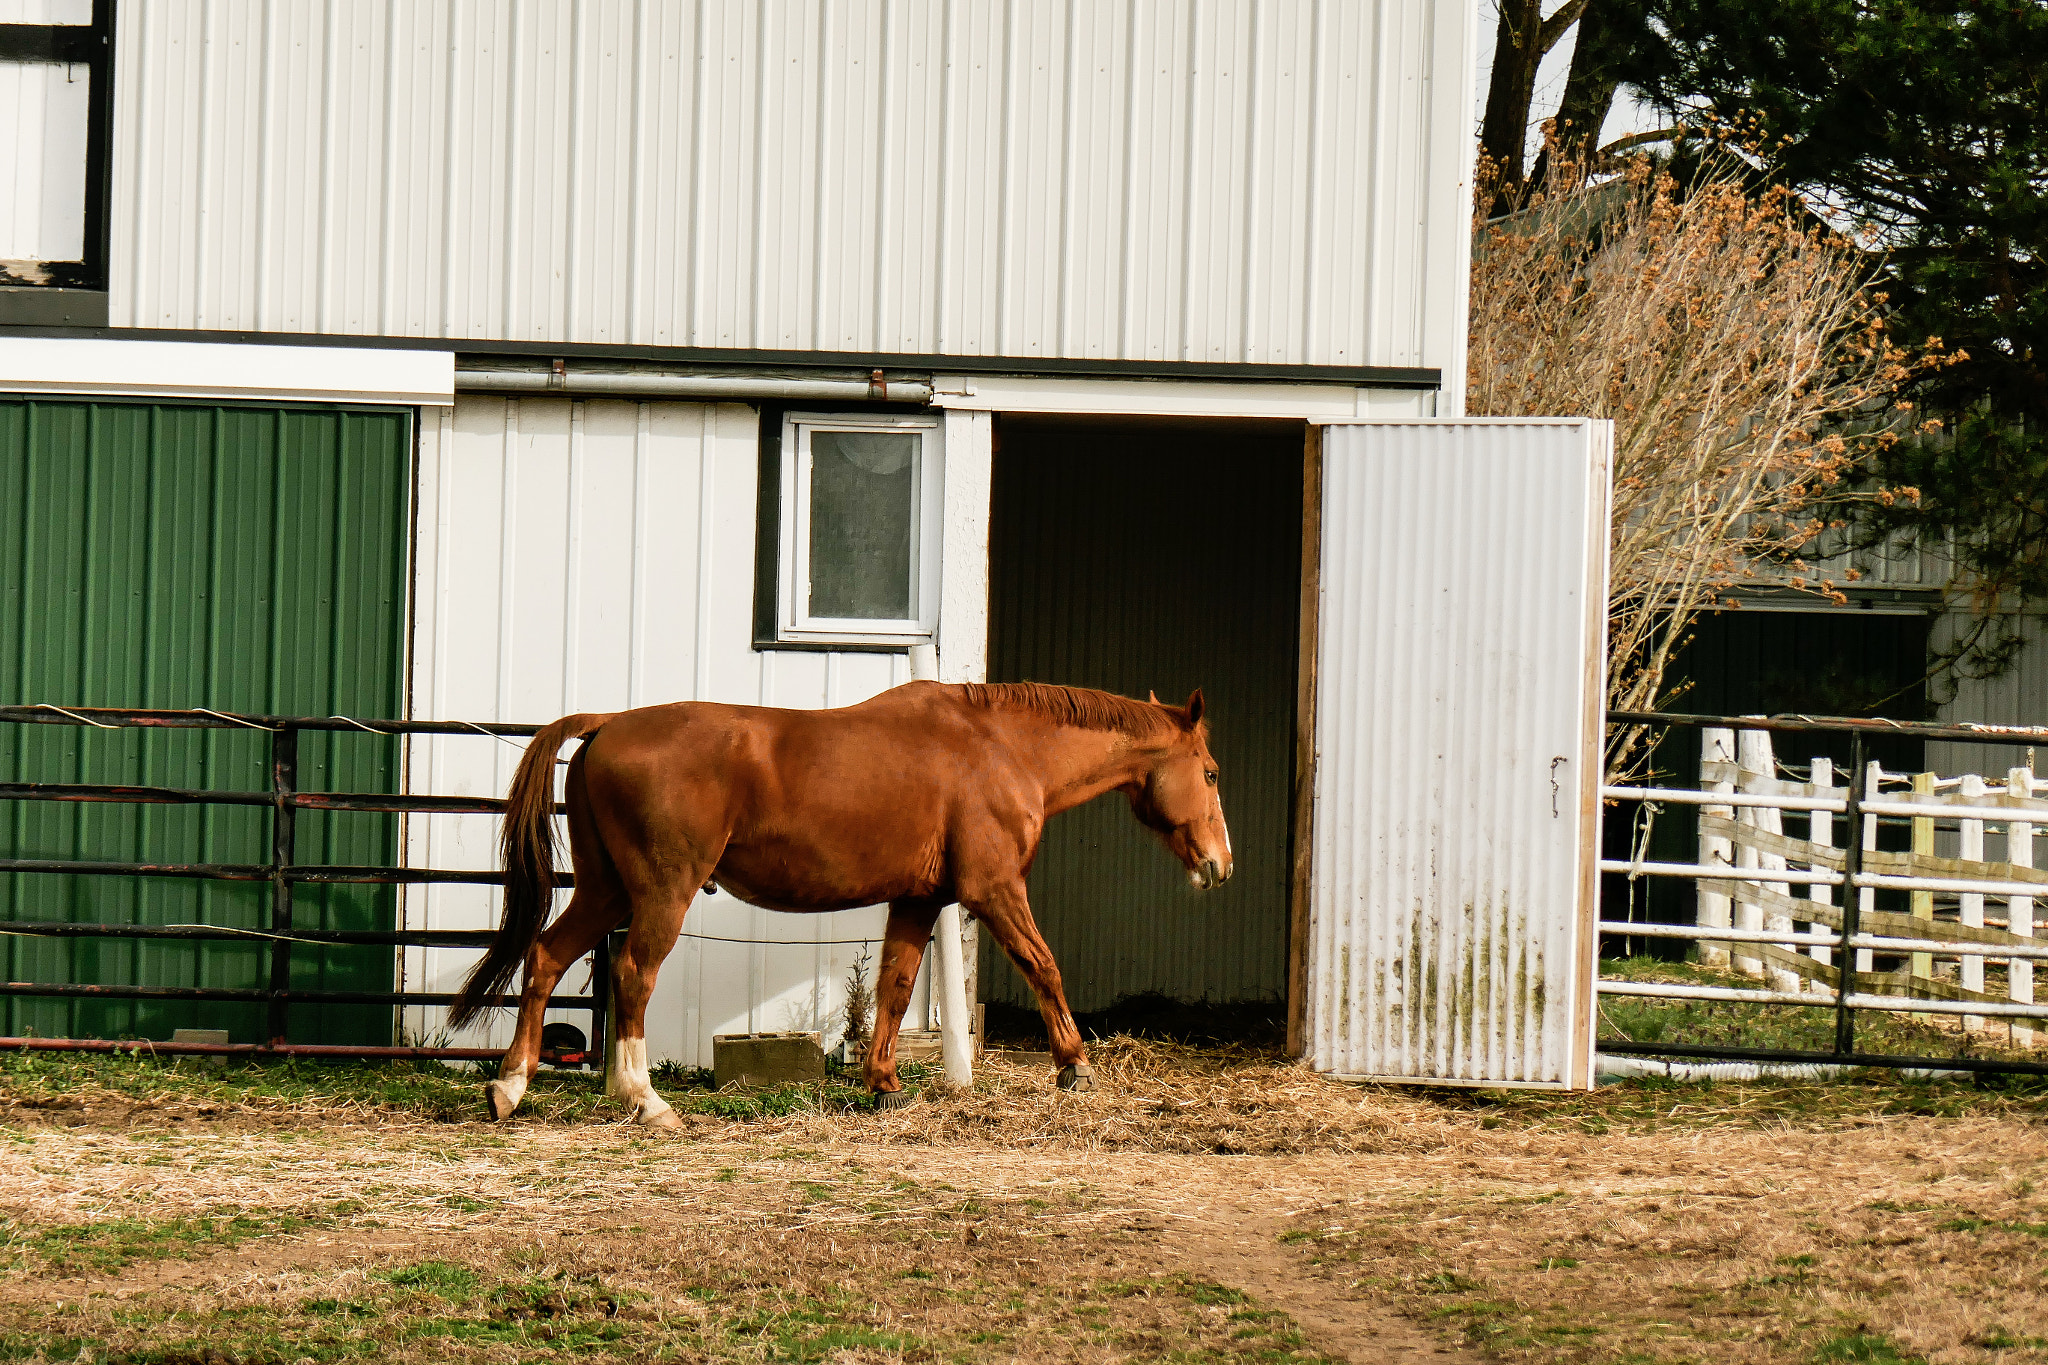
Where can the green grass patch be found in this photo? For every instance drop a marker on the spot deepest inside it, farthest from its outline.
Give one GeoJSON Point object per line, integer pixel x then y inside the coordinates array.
{"type": "Point", "coordinates": [1732, 1023]}
{"type": "Point", "coordinates": [442, 1278]}
{"type": "Point", "coordinates": [107, 1245]}
{"type": "Point", "coordinates": [1993, 1225]}
{"type": "Point", "coordinates": [424, 1089]}
{"type": "Point", "coordinates": [1872, 1348]}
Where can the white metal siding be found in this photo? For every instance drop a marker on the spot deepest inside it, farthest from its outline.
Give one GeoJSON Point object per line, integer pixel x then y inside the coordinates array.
{"type": "Point", "coordinates": [1212, 180]}
{"type": "Point", "coordinates": [592, 556]}
{"type": "Point", "coordinates": [2018, 696]}
{"type": "Point", "coordinates": [1460, 657]}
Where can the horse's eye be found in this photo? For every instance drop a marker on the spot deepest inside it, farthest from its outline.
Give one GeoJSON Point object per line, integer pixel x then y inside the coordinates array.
{"type": "Point", "coordinates": [1211, 775]}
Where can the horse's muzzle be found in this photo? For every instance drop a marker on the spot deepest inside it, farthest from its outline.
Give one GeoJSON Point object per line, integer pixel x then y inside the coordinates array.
{"type": "Point", "coordinates": [1208, 874]}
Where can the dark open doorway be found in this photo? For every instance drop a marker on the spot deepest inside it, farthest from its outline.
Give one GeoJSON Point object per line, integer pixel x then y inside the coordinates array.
{"type": "Point", "coordinates": [1146, 554]}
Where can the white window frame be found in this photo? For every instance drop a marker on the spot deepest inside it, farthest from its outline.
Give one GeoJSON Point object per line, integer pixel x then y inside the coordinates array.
{"type": "Point", "coordinates": [793, 622]}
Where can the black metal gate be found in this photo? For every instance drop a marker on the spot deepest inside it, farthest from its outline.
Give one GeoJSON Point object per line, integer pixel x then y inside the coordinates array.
{"type": "Point", "coordinates": [282, 873]}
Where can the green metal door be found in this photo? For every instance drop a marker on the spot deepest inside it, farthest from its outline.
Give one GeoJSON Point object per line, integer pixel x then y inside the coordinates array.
{"type": "Point", "coordinates": [238, 558]}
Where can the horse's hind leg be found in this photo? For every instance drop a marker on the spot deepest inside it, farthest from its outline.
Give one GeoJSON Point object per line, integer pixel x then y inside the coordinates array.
{"type": "Point", "coordinates": [596, 909]}
{"type": "Point", "coordinates": [657, 920]}
{"type": "Point", "coordinates": [910, 928]}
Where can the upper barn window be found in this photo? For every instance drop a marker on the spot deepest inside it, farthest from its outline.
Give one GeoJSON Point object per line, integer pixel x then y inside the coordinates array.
{"type": "Point", "coordinates": [859, 530]}
{"type": "Point", "coordinates": [55, 115]}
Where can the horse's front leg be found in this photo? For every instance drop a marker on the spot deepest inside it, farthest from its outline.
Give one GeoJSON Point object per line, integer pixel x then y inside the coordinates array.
{"type": "Point", "coordinates": [1006, 910]}
{"type": "Point", "coordinates": [910, 928]}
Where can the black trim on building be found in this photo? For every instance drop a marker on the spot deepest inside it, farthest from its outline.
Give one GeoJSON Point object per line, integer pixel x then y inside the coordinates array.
{"type": "Point", "coordinates": [469, 349]}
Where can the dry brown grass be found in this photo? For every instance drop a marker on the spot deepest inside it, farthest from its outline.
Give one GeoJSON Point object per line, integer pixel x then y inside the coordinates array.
{"type": "Point", "coordinates": [1648, 1222]}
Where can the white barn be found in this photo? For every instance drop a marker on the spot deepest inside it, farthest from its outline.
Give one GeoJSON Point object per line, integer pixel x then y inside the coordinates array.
{"type": "Point", "coordinates": [1138, 326]}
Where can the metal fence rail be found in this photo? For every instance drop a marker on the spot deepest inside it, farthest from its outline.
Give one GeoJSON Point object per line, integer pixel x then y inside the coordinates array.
{"type": "Point", "coordinates": [282, 872]}
{"type": "Point", "coordinates": [1850, 942]}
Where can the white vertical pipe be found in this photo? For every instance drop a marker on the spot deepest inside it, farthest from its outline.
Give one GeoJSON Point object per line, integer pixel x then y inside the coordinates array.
{"type": "Point", "coordinates": [950, 966]}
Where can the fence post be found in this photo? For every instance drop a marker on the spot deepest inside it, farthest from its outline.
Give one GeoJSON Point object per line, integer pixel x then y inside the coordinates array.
{"type": "Point", "coordinates": [1820, 832]}
{"type": "Point", "coordinates": [1759, 763]}
{"type": "Point", "coordinates": [284, 784]}
{"type": "Point", "coordinates": [1970, 849]}
{"type": "Point", "coordinates": [1717, 745]}
{"type": "Point", "coordinates": [2019, 914]}
{"type": "Point", "coordinates": [1923, 901]}
{"type": "Point", "coordinates": [1852, 898]}
{"type": "Point", "coordinates": [1753, 768]}
{"type": "Point", "coordinates": [1866, 898]}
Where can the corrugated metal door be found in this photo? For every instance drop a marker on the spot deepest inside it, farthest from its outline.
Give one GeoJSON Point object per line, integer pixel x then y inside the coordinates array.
{"type": "Point", "coordinates": [1164, 556]}
{"type": "Point", "coordinates": [182, 556]}
{"type": "Point", "coordinates": [1460, 671]}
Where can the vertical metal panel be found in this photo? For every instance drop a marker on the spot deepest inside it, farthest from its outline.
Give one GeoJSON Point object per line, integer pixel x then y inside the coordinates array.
{"type": "Point", "coordinates": [1167, 559]}
{"type": "Point", "coordinates": [1234, 180]}
{"type": "Point", "coordinates": [594, 556]}
{"type": "Point", "coordinates": [2018, 696]}
{"type": "Point", "coordinates": [182, 556]}
{"type": "Point", "coordinates": [1463, 588]}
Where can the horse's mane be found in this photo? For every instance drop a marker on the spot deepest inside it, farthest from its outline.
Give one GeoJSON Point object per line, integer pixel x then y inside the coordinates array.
{"type": "Point", "coordinates": [1084, 708]}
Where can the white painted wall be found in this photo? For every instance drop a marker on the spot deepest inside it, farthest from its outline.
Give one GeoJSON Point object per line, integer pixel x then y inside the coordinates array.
{"type": "Point", "coordinates": [1230, 181]}
{"type": "Point", "coordinates": [598, 555]}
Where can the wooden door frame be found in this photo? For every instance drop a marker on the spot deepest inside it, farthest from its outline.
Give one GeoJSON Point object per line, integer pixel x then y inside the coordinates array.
{"type": "Point", "coordinates": [1302, 824]}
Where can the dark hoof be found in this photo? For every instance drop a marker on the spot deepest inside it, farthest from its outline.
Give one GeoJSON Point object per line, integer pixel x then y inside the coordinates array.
{"type": "Point", "coordinates": [500, 1103]}
{"type": "Point", "coordinates": [1079, 1078]}
{"type": "Point", "coordinates": [894, 1099]}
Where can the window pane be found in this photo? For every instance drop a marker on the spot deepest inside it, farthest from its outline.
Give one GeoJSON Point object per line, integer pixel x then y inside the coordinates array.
{"type": "Point", "coordinates": [67, 12]}
{"type": "Point", "coordinates": [863, 515]}
{"type": "Point", "coordinates": [42, 167]}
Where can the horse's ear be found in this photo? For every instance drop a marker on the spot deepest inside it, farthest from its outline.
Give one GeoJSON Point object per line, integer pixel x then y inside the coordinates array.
{"type": "Point", "coordinates": [1151, 696]}
{"type": "Point", "coordinates": [1195, 707]}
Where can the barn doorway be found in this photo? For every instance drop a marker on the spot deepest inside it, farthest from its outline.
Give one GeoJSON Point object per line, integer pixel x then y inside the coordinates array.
{"type": "Point", "coordinates": [1140, 554]}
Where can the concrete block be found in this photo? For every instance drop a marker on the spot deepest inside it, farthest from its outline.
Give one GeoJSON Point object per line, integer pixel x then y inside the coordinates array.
{"type": "Point", "coordinates": [762, 1060]}
{"type": "Point", "coordinates": [201, 1035]}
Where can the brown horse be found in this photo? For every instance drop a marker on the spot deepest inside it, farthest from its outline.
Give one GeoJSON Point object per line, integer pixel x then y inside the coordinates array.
{"type": "Point", "coordinates": [924, 795]}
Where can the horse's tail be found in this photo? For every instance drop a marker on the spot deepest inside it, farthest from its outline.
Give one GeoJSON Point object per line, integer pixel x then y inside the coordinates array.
{"type": "Point", "coordinates": [529, 852]}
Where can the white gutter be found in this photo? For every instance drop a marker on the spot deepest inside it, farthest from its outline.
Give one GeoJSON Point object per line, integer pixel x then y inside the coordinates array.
{"type": "Point", "coordinates": [877, 388]}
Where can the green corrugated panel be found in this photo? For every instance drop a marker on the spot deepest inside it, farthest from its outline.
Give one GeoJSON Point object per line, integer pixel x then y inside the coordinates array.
{"type": "Point", "coordinates": [243, 559]}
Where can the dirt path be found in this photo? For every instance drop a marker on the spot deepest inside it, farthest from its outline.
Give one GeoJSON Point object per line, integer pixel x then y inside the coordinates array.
{"type": "Point", "coordinates": [1237, 1242]}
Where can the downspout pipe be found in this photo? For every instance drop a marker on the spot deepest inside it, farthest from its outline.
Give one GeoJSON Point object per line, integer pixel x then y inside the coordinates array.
{"type": "Point", "coordinates": [876, 388]}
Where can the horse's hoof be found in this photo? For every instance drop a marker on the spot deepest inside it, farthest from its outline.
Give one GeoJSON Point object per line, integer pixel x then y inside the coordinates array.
{"type": "Point", "coordinates": [894, 1099]}
{"type": "Point", "coordinates": [1078, 1077]}
{"type": "Point", "coordinates": [663, 1120]}
{"type": "Point", "coordinates": [501, 1104]}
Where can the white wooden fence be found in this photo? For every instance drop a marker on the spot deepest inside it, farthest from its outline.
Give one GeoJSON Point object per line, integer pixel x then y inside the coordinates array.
{"type": "Point", "coordinates": [1771, 902]}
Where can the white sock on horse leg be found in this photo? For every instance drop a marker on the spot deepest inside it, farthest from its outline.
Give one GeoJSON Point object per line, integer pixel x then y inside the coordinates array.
{"type": "Point", "coordinates": [630, 1081]}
